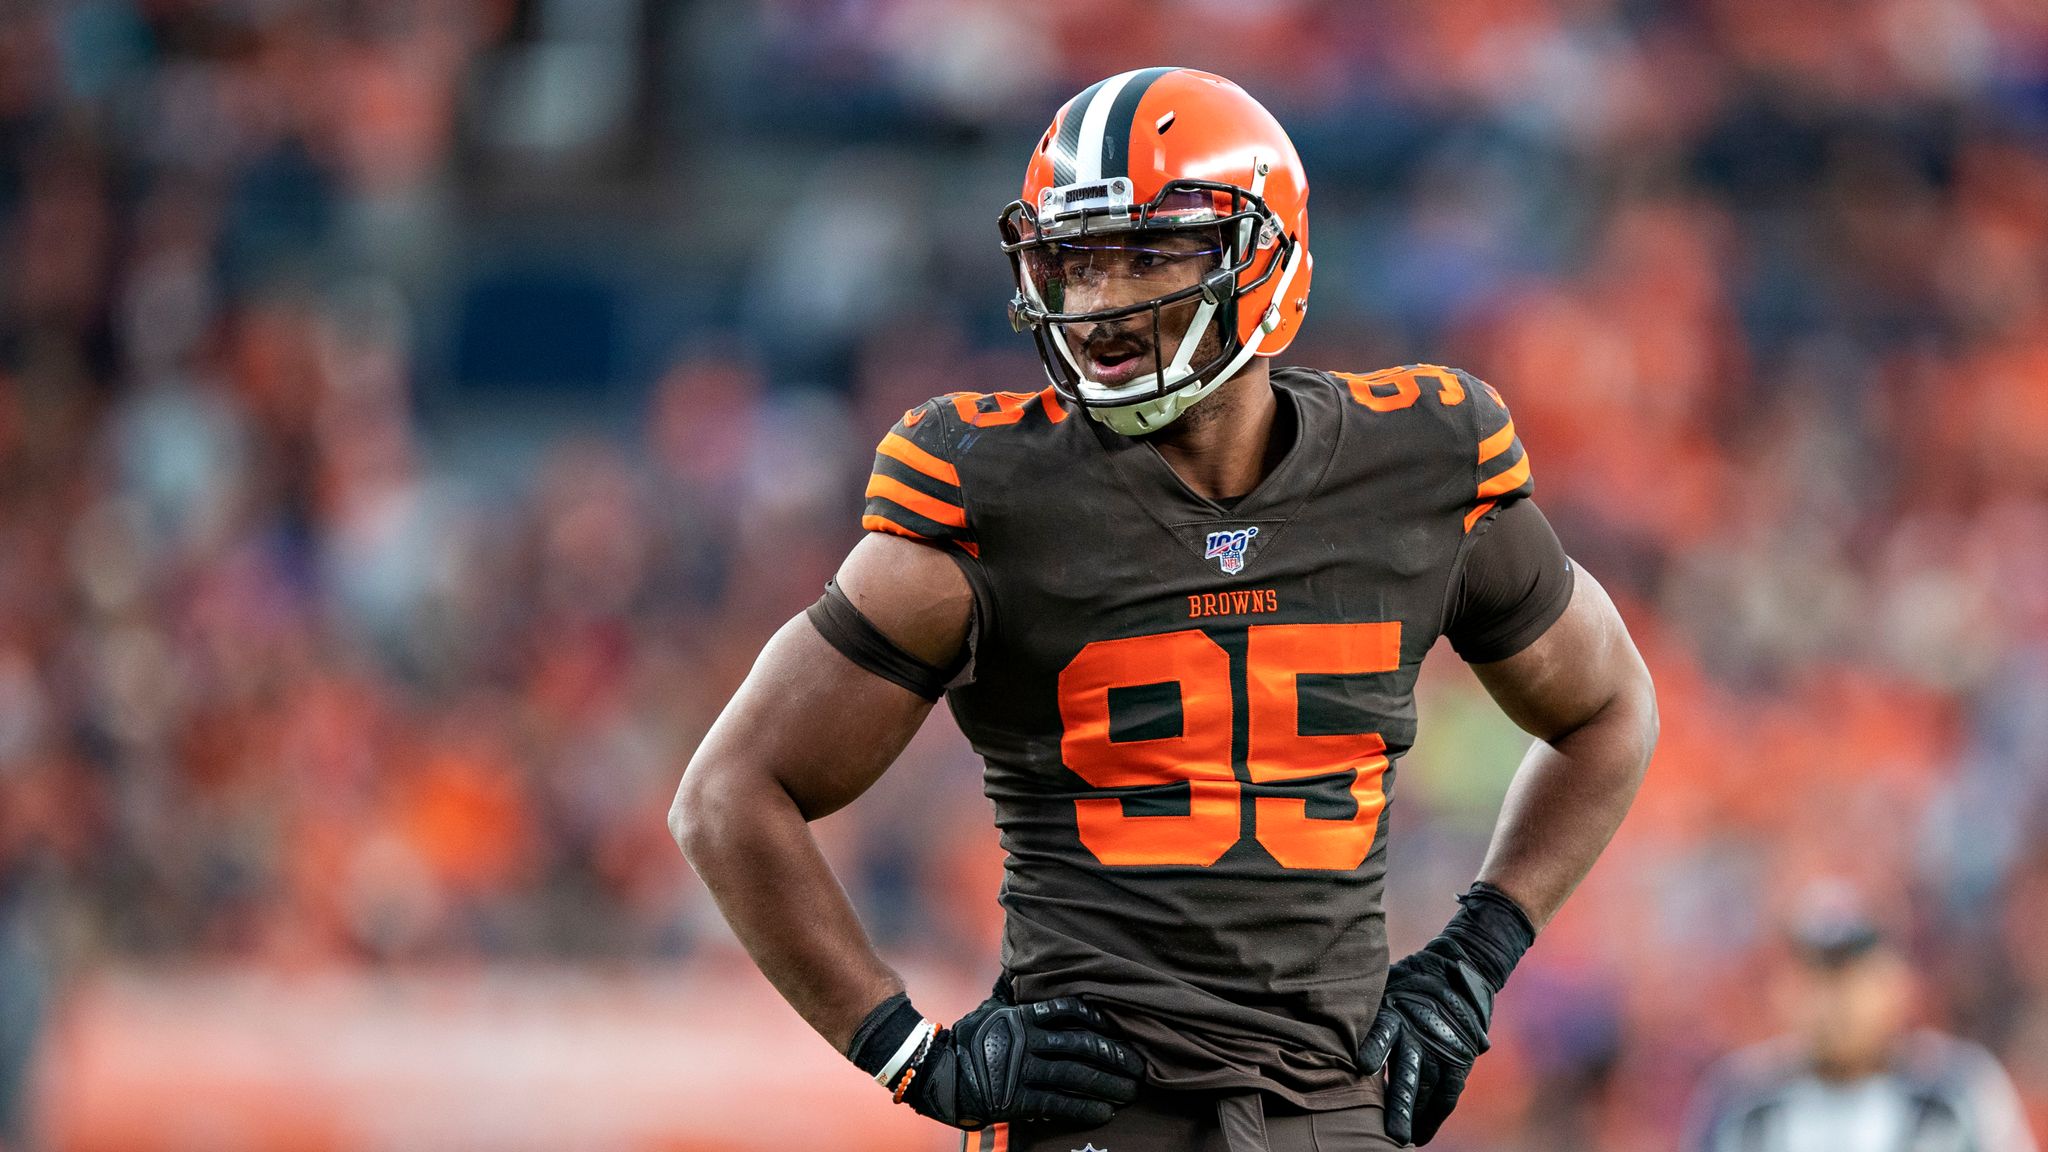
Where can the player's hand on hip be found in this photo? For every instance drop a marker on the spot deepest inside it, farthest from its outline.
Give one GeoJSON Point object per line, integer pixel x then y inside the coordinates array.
{"type": "Point", "coordinates": [1436, 1009]}
{"type": "Point", "coordinates": [1430, 1030]}
{"type": "Point", "coordinates": [1051, 1060]}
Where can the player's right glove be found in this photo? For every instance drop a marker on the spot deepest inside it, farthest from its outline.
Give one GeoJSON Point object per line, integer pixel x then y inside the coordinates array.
{"type": "Point", "coordinates": [1436, 1009]}
{"type": "Point", "coordinates": [1050, 1060]}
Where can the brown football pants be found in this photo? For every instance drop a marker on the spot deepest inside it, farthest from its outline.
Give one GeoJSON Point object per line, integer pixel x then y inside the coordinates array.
{"type": "Point", "coordinates": [1201, 1122]}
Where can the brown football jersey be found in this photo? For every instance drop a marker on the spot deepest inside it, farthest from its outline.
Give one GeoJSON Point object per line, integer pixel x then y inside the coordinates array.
{"type": "Point", "coordinates": [1191, 713]}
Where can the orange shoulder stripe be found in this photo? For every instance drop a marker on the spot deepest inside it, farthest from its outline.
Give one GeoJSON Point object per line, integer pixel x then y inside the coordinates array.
{"type": "Point", "coordinates": [932, 508]}
{"type": "Point", "coordinates": [1507, 481]}
{"type": "Point", "coordinates": [1477, 511]}
{"type": "Point", "coordinates": [874, 523]}
{"type": "Point", "coordinates": [906, 452]}
{"type": "Point", "coordinates": [1497, 443]}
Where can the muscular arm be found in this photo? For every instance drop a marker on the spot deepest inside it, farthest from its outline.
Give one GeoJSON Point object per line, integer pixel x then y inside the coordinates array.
{"type": "Point", "coordinates": [806, 734]}
{"type": "Point", "coordinates": [1582, 690]}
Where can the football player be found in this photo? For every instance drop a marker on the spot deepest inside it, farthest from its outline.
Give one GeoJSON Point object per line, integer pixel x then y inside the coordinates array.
{"type": "Point", "coordinates": [1177, 600]}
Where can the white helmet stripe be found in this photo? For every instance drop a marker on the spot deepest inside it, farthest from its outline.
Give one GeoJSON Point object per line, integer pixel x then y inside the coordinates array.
{"type": "Point", "coordinates": [1070, 131]}
{"type": "Point", "coordinates": [1094, 121]}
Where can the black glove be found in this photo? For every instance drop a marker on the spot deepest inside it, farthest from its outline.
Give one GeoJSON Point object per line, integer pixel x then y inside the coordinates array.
{"type": "Point", "coordinates": [1438, 1004]}
{"type": "Point", "coordinates": [1050, 1060]}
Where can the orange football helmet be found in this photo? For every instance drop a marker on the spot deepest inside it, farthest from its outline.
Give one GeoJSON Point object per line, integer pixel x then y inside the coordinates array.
{"type": "Point", "coordinates": [1164, 150]}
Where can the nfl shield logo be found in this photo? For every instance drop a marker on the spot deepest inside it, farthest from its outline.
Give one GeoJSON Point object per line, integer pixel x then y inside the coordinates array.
{"type": "Point", "coordinates": [1227, 548]}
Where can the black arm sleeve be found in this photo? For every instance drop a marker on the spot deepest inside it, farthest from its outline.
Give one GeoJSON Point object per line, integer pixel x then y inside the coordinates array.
{"type": "Point", "coordinates": [857, 638]}
{"type": "Point", "coordinates": [1512, 584]}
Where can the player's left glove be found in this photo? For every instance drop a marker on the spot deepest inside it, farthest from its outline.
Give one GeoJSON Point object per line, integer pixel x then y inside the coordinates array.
{"type": "Point", "coordinates": [1438, 1004]}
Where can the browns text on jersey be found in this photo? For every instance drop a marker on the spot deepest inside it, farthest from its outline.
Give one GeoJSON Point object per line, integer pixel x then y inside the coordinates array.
{"type": "Point", "coordinates": [1233, 603]}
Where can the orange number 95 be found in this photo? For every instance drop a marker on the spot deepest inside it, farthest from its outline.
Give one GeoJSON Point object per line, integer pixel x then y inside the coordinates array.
{"type": "Point", "coordinates": [1276, 656]}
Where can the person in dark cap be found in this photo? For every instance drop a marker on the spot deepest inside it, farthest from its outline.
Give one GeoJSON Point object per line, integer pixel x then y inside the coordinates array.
{"type": "Point", "coordinates": [1853, 1074]}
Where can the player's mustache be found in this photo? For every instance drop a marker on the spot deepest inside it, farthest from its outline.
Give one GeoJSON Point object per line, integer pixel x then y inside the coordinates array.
{"type": "Point", "coordinates": [1109, 341]}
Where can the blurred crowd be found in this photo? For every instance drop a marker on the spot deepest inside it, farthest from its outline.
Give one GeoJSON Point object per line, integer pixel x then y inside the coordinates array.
{"type": "Point", "coordinates": [414, 414]}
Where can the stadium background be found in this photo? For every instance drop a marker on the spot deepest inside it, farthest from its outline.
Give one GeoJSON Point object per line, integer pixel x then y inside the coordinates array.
{"type": "Point", "coordinates": [415, 413]}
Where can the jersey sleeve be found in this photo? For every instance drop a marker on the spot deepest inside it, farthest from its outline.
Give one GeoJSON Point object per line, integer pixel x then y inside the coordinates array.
{"type": "Point", "coordinates": [914, 490]}
{"type": "Point", "coordinates": [1513, 579]}
{"type": "Point", "coordinates": [1501, 474]}
{"type": "Point", "coordinates": [1513, 582]}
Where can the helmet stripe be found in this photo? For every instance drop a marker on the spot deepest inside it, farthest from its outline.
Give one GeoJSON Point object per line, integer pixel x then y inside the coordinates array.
{"type": "Point", "coordinates": [1118, 126]}
{"type": "Point", "coordinates": [1063, 145]}
{"type": "Point", "coordinates": [1094, 120]}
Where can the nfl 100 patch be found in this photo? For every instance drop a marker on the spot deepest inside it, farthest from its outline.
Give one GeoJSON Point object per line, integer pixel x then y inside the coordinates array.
{"type": "Point", "coordinates": [1227, 548]}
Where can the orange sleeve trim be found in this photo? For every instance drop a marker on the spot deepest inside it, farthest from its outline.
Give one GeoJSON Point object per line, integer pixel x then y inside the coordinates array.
{"type": "Point", "coordinates": [930, 507]}
{"type": "Point", "coordinates": [1507, 481]}
{"type": "Point", "coordinates": [897, 448]}
{"type": "Point", "coordinates": [1477, 511]}
{"type": "Point", "coordinates": [874, 523]}
{"type": "Point", "coordinates": [1001, 1142]}
{"type": "Point", "coordinates": [1497, 443]}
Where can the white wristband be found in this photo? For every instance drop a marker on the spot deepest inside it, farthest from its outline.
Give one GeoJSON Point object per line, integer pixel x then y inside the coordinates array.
{"type": "Point", "coordinates": [910, 1045]}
